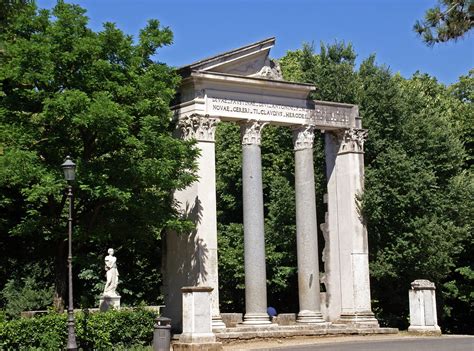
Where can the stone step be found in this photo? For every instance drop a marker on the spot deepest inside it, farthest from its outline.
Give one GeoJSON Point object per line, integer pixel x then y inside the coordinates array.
{"type": "Point", "coordinates": [295, 330]}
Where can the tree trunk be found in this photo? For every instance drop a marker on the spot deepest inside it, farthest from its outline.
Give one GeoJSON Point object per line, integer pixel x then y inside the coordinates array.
{"type": "Point", "coordinates": [60, 279]}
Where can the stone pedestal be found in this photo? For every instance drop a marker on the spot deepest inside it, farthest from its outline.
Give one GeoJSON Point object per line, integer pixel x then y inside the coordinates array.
{"type": "Point", "coordinates": [197, 321]}
{"type": "Point", "coordinates": [346, 253]}
{"type": "Point", "coordinates": [191, 258]}
{"type": "Point", "coordinates": [109, 302]}
{"type": "Point", "coordinates": [423, 316]}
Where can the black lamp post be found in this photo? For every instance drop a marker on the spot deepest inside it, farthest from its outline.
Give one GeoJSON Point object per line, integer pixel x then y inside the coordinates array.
{"type": "Point", "coordinates": [69, 169]}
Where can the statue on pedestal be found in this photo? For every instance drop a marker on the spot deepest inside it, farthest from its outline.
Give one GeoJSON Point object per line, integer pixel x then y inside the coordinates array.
{"type": "Point", "coordinates": [110, 298]}
{"type": "Point", "coordinates": [111, 274]}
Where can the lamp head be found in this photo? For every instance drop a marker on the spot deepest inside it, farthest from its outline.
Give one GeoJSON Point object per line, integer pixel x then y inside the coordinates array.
{"type": "Point", "coordinates": [69, 169]}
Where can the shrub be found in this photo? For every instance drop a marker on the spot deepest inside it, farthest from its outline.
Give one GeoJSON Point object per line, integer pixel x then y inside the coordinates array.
{"type": "Point", "coordinates": [25, 294]}
{"type": "Point", "coordinates": [122, 329]}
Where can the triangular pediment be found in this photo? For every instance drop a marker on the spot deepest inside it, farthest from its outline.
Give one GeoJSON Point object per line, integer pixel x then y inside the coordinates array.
{"type": "Point", "coordinates": [248, 61]}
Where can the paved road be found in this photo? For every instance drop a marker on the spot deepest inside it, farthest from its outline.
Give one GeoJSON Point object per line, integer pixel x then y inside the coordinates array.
{"type": "Point", "coordinates": [424, 344]}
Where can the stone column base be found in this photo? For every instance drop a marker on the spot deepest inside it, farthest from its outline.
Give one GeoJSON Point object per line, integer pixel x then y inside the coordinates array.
{"type": "Point", "coordinates": [218, 324]}
{"type": "Point", "coordinates": [256, 319]}
{"type": "Point", "coordinates": [425, 330]}
{"type": "Point", "coordinates": [359, 319]}
{"type": "Point", "coordinates": [197, 338]}
{"type": "Point", "coordinates": [108, 302]}
{"type": "Point", "coordinates": [310, 317]}
{"type": "Point", "coordinates": [211, 346]}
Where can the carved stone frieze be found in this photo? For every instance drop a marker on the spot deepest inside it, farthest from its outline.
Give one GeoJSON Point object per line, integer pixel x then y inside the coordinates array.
{"type": "Point", "coordinates": [303, 137]}
{"type": "Point", "coordinates": [251, 132]}
{"type": "Point", "coordinates": [201, 128]}
{"type": "Point", "coordinates": [351, 140]}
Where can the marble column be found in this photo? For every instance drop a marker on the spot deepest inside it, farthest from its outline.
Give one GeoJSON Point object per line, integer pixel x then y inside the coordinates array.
{"type": "Point", "coordinates": [347, 259]}
{"type": "Point", "coordinates": [306, 228]}
{"type": "Point", "coordinates": [254, 238]}
{"type": "Point", "coordinates": [191, 260]}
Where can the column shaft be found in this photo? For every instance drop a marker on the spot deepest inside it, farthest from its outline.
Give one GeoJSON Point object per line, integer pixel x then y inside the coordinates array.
{"type": "Point", "coordinates": [254, 237]}
{"type": "Point", "coordinates": [306, 229]}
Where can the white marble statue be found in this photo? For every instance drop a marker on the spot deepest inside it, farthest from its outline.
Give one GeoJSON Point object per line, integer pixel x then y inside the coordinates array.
{"type": "Point", "coordinates": [111, 273]}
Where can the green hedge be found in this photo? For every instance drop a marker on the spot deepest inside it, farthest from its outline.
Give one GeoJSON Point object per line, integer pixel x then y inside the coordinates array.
{"type": "Point", "coordinates": [124, 329]}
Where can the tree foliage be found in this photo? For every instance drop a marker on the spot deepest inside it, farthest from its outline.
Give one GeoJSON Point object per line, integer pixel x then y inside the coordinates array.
{"type": "Point", "coordinates": [449, 20]}
{"type": "Point", "coordinates": [100, 98]}
{"type": "Point", "coordinates": [419, 183]}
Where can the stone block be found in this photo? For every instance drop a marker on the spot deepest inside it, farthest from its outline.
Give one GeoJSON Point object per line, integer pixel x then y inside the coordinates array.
{"type": "Point", "coordinates": [422, 300]}
{"type": "Point", "coordinates": [197, 320]}
{"type": "Point", "coordinates": [211, 346]}
{"type": "Point", "coordinates": [285, 319]}
{"type": "Point", "coordinates": [108, 302]}
{"type": "Point", "coordinates": [231, 319]}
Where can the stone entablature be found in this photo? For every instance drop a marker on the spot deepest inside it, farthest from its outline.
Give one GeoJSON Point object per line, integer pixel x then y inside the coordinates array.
{"type": "Point", "coordinates": [209, 94]}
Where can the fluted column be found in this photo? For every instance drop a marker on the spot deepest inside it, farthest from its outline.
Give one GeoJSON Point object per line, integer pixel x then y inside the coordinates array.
{"type": "Point", "coordinates": [306, 228]}
{"type": "Point", "coordinates": [254, 239]}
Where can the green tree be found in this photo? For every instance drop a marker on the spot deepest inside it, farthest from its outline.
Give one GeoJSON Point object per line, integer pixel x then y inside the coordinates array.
{"type": "Point", "coordinates": [450, 20]}
{"type": "Point", "coordinates": [419, 186]}
{"type": "Point", "coordinates": [418, 222]}
{"type": "Point", "coordinates": [100, 98]}
{"type": "Point", "coordinates": [463, 91]}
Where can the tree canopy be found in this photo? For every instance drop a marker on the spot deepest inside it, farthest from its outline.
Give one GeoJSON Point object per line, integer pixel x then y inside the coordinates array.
{"type": "Point", "coordinates": [100, 98]}
{"type": "Point", "coordinates": [449, 20]}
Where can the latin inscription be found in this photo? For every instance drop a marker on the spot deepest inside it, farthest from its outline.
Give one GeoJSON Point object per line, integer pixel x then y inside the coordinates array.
{"type": "Point", "coordinates": [258, 108]}
{"type": "Point", "coordinates": [320, 115]}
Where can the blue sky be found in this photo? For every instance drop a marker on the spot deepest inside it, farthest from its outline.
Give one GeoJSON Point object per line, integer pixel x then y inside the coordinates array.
{"type": "Point", "coordinates": [203, 28]}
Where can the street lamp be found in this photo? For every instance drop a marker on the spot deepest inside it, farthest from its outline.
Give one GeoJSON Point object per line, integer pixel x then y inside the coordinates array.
{"type": "Point", "coordinates": [69, 169]}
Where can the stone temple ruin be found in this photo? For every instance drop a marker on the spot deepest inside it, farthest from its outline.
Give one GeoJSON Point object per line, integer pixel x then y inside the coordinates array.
{"type": "Point", "coordinates": [244, 86]}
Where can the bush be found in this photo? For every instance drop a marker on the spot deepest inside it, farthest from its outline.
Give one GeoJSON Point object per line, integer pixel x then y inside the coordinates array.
{"type": "Point", "coordinates": [25, 294]}
{"type": "Point", "coordinates": [122, 329]}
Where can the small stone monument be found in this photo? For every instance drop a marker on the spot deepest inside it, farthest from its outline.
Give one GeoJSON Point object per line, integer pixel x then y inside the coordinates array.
{"type": "Point", "coordinates": [197, 321]}
{"type": "Point", "coordinates": [423, 318]}
{"type": "Point", "coordinates": [110, 298]}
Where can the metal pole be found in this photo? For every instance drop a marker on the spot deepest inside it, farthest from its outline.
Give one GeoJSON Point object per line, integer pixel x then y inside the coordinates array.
{"type": "Point", "coordinates": [71, 335]}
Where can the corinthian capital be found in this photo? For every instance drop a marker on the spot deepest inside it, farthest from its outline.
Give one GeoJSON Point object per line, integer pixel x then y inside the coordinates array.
{"type": "Point", "coordinates": [198, 127]}
{"type": "Point", "coordinates": [303, 137]}
{"type": "Point", "coordinates": [251, 132]}
{"type": "Point", "coordinates": [352, 140]}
